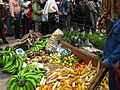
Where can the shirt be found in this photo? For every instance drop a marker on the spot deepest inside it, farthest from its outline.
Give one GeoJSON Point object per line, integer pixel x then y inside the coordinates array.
{"type": "Point", "coordinates": [50, 7]}
{"type": "Point", "coordinates": [14, 7]}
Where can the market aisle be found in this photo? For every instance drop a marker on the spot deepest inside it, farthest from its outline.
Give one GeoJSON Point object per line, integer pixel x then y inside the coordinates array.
{"type": "Point", "coordinates": [3, 78]}
{"type": "Point", "coordinates": [11, 40]}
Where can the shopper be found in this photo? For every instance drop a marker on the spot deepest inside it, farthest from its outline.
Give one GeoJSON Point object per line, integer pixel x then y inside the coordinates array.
{"type": "Point", "coordinates": [44, 22]}
{"type": "Point", "coordinates": [50, 10]}
{"type": "Point", "coordinates": [36, 15]}
{"type": "Point", "coordinates": [24, 19]}
{"type": "Point", "coordinates": [29, 18]}
{"type": "Point", "coordinates": [111, 53]}
{"type": "Point", "coordinates": [15, 14]}
{"type": "Point", "coordinates": [3, 16]}
{"type": "Point", "coordinates": [64, 9]}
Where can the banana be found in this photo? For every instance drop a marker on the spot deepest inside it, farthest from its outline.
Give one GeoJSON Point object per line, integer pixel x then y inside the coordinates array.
{"type": "Point", "coordinates": [17, 63]}
{"type": "Point", "coordinates": [6, 59]}
{"type": "Point", "coordinates": [32, 77]}
{"type": "Point", "coordinates": [21, 58]}
{"type": "Point", "coordinates": [30, 86]}
{"type": "Point", "coordinates": [24, 87]}
{"type": "Point", "coordinates": [27, 86]}
{"type": "Point", "coordinates": [29, 73]}
{"type": "Point", "coordinates": [10, 81]}
{"type": "Point", "coordinates": [11, 56]}
{"type": "Point", "coordinates": [9, 68]}
{"type": "Point", "coordinates": [24, 71]}
{"type": "Point", "coordinates": [3, 60]}
{"type": "Point", "coordinates": [13, 71]}
{"type": "Point", "coordinates": [21, 88]}
{"type": "Point", "coordinates": [10, 63]}
{"type": "Point", "coordinates": [32, 81]}
{"type": "Point", "coordinates": [12, 87]}
{"type": "Point", "coordinates": [20, 64]}
{"type": "Point", "coordinates": [17, 87]}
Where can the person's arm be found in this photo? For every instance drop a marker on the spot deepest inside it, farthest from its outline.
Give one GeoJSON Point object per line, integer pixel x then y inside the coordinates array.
{"type": "Point", "coordinates": [11, 9]}
{"type": "Point", "coordinates": [115, 56]}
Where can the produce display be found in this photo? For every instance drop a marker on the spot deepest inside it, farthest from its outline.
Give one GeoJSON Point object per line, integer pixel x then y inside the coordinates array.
{"type": "Point", "coordinates": [82, 40]}
{"type": "Point", "coordinates": [10, 61]}
{"type": "Point", "coordinates": [55, 37]}
{"type": "Point", "coordinates": [69, 79]}
{"type": "Point", "coordinates": [65, 61]}
{"type": "Point", "coordinates": [26, 79]}
{"type": "Point", "coordinates": [39, 45]}
{"type": "Point", "coordinates": [46, 65]}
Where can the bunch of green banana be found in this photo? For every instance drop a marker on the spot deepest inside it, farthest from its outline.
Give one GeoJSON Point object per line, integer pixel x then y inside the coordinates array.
{"type": "Point", "coordinates": [14, 65]}
{"type": "Point", "coordinates": [6, 56]}
{"type": "Point", "coordinates": [40, 45]}
{"type": "Point", "coordinates": [26, 79]}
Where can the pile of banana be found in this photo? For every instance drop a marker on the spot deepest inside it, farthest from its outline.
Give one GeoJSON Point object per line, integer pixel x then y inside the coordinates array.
{"type": "Point", "coordinates": [40, 45]}
{"type": "Point", "coordinates": [27, 79]}
{"type": "Point", "coordinates": [10, 62]}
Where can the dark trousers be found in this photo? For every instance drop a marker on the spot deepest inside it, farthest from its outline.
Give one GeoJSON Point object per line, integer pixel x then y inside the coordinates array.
{"type": "Point", "coordinates": [17, 26]}
{"type": "Point", "coordinates": [44, 28]}
{"type": "Point", "coordinates": [1, 34]}
{"type": "Point", "coordinates": [24, 21]}
{"type": "Point", "coordinates": [9, 25]}
{"type": "Point", "coordinates": [52, 22]}
{"type": "Point", "coordinates": [29, 25]}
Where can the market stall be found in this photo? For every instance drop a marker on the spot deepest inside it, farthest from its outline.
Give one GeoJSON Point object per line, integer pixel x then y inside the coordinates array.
{"type": "Point", "coordinates": [48, 63]}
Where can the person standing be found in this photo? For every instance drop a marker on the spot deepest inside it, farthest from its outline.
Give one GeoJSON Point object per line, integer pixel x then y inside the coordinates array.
{"type": "Point", "coordinates": [111, 54]}
{"type": "Point", "coordinates": [15, 14]}
{"type": "Point", "coordinates": [50, 10]}
{"type": "Point", "coordinates": [64, 9]}
{"type": "Point", "coordinates": [44, 23]}
{"type": "Point", "coordinates": [36, 15]}
{"type": "Point", "coordinates": [3, 16]}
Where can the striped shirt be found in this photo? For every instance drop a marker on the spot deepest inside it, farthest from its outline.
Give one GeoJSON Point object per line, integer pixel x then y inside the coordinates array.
{"type": "Point", "coordinates": [14, 7]}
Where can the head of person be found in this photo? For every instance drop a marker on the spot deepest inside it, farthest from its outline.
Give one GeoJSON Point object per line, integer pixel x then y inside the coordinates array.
{"type": "Point", "coordinates": [1, 4]}
{"type": "Point", "coordinates": [117, 4]}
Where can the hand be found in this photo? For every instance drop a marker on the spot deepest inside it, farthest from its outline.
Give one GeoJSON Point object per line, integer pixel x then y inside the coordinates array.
{"type": "Point", "coordinates": [59, 13]}
{"type": "Point", "coordinates": [5, 26]}
{"type": "Point", "coordinates": [65, 14]}
{"type": "Point", "coordinates": [14, 19]}
{"type": "Point", "coordinates": [3, 19]}
{"type": "Point", "coordinates": [102, 63]}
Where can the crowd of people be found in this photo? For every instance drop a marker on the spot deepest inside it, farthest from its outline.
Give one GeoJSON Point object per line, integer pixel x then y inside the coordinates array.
{"type": "Point", "coordinates": [44, 16]}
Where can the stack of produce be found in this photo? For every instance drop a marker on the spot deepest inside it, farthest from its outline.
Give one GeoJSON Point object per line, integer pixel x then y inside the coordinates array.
{"type": "Point", "coordinates": [55, 37]}
{"type": "Point", "coordinates": [69, 61]}
{"type": "Point", "coordinates": [104, 83]}
{"type": "Point", "coordinates": [40, 45]}
{"type": "Point", "coordinates": [10, 61]}
{"type": "Point", "coordinates": [39, 56]}
{"type": "Point", "coordinates": [78, 39]}
{"type": "Point", "coordinates": [27, 79]}
{"type": "Point", "coordinates": [69, 79]}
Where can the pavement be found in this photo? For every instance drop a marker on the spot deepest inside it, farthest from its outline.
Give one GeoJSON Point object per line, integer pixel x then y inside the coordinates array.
{"type": "Point", "coordinates": [4, 76]}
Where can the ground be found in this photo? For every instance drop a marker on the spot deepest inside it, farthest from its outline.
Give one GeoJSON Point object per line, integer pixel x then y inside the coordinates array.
{"type": "Point", "coordinates": [4, 76]}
